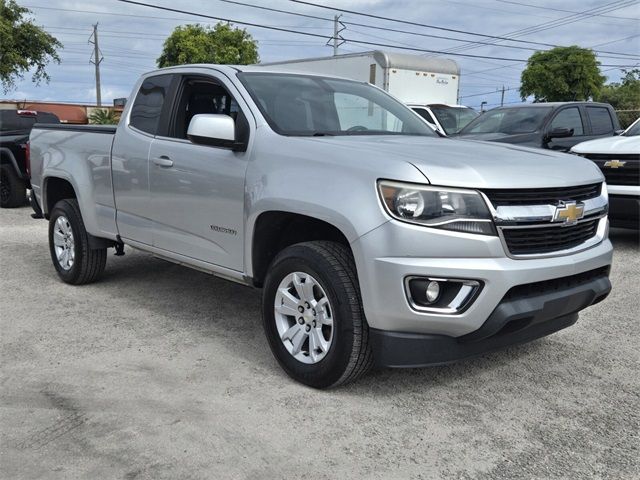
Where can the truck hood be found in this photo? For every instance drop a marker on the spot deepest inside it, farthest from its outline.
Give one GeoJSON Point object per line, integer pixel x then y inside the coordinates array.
{"type": "Point", "coordinates": [610, 145]}
{"type": "Point", "coordinates": [463, 163]}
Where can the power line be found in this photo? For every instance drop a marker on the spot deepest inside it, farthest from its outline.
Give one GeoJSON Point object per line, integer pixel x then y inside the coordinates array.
{"type": "Point", "coordinates": [271, 9]}
{"type": "Point", "coordinates": [477, 73]}
{"type": "Point", "coordinates": [408, 22]}
{"type": "Point", "coordinates": [560, 10]}
{"type": "Point", "coordinates": [556, 23]}
{"type": "Point", "coordinates": [488, 93]}
{"type": "Point", "coordinates": [616, 41]}
{"type": "Point", "coordinates": [316, 35]}
{"type": "Point", "coordinates": [322, 18]}
{"type": "Point", "coordinates": [376, 27]}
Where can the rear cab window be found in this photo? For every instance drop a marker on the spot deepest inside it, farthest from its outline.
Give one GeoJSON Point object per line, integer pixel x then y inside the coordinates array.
{"type": "Point", "coordinates": [601, 122]}
{"type": "Point", "coordinates": [149, 102]}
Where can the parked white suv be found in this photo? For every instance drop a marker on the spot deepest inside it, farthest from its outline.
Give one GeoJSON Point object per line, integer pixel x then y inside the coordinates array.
{"type": "Point", "coordinates": [619, 159]}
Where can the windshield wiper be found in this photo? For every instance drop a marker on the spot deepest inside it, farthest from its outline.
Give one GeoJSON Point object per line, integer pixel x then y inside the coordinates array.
{"type": "Point", "coordinates": [322, 134]}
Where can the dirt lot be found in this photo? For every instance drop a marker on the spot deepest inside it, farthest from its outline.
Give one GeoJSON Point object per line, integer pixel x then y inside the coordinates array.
{"type": "Point", "coordinates": [160, 372]}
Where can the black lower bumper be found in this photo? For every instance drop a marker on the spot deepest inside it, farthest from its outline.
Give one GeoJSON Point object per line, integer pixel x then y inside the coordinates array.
{"type": "Point", "coordinates": [624, 211]}
{"type": "Point", "coordinates": [527, 312]}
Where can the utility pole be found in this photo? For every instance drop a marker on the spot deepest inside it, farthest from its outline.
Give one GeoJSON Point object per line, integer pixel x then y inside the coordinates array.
{"type": "Point", "coordinates": [336, 34]}
{"type": "Point", "coordinates": [96, 59]}
{"type": "Point", "coordinates": [502, 99]}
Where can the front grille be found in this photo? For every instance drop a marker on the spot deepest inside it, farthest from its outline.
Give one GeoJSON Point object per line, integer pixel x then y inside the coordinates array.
{"type": "Point", "coordinates": [629, 174]}
{"type": "Point", "coordinates": [542, 196]}
{"type": "Point", "coordinates": [532, 241]}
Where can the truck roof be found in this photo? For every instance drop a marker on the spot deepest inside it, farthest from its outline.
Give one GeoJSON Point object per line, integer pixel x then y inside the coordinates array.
{"type": "Point", "coordinates": [231, 69]}
{"type": "Point", "coordinates": [551, 104]}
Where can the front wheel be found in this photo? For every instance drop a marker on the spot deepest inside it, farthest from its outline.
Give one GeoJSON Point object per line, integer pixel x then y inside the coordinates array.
{"type": "Point", "coordinates": [72, 258]}
{"type": "Point", "coordinates": [313, 316]}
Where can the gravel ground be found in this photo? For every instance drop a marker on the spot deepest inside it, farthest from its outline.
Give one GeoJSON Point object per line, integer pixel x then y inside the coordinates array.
{"type": "Point", "coordinates": [159, 372]}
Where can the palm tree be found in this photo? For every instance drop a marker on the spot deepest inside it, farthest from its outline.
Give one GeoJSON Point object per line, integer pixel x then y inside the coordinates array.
{"type": "Point", "coordinates": [104, 116]}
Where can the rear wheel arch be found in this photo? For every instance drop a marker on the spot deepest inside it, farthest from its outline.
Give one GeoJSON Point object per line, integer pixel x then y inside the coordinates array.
{"type": "Point", "coordinates": [55, 189]}
{"type": "Point", "coordinates": [8, 158]}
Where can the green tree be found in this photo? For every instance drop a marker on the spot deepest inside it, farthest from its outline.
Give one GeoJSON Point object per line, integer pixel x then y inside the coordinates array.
{"type": "Point", "coordinates": [625, 96]}
{"type": "Point", "coordinates": [23, 46]}
{"type": "Point", "coordinates": [222, 44]}
{"type": "Point", "coordinates": [104, 116]}
{"type": "Point", "coordinates": [562, 74]}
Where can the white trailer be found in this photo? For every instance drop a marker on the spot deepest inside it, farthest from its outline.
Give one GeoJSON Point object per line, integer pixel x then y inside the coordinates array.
{"type": "Point", "coordinates": [411, 78]}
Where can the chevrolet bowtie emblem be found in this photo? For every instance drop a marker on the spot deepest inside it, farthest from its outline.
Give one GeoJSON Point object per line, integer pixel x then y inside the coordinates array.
{"type": "Point", "coordinates": [569, 213]}
{"type": "Point", "coordinates": [614, 164]}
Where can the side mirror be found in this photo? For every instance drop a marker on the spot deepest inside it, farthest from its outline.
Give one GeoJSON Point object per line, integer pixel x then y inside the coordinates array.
{"type": "Point", "coordinates": [560, 132]}
{"type": "Point", "coordinates": [212, 129]}
{"type": "Point", "coordinates": [618, 132]}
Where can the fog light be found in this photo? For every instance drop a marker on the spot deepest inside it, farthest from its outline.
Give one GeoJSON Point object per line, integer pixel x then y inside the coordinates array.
{"type": "Point", "coordinates": [432, 291]}
{"type": "Point", "coordinates": [445, 296]}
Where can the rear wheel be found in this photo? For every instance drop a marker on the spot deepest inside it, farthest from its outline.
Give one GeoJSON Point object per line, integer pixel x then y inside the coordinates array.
{"type": "Point", "coordinates": [72, 258]}
{"type": "Point", "coordinates": [13, 190]}
{"type": "Point", "coordinates": [313, 315]}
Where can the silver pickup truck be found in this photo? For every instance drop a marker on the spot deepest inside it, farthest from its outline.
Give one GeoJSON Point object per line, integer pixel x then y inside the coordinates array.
{"type": "Point", "coordinates": [375, 241]}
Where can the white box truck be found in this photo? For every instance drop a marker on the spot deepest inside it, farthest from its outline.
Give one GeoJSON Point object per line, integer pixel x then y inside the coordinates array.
{"type": "Point", "coordinates": [413, 79]}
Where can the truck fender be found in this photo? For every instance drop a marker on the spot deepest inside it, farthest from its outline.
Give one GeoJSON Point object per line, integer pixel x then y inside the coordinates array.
{"type": "Point", "coordinates": [7, 154]}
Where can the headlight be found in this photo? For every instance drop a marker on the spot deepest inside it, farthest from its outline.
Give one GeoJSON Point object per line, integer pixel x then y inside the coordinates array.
{"type": "Point", "coordinates": [438, 207]}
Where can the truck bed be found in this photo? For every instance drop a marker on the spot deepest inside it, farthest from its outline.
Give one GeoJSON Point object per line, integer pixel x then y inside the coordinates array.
{"type": "Point", "coordinates": [81, 155]}
{"type": "Point", "coordinates": [77, 128]}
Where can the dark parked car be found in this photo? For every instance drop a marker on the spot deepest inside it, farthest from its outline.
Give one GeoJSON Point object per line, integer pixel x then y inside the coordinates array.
{"type": "Point", "coordinates": [15, 126]}
{"type": "Point", "coordinates": [557, 126]}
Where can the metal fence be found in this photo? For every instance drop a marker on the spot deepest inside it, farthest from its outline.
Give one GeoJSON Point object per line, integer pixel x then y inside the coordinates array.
{"type": "Point", "coordinates": [627, 117]}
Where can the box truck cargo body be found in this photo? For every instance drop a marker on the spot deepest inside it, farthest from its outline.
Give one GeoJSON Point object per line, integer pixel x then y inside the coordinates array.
{"type": "Point", "coordinates": [411, 78]}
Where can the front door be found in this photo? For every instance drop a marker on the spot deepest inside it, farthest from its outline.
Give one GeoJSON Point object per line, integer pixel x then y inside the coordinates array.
{"type": "Point", "coordinates": [569, 117]}
{"type": "Point", "coordinates": [197, 191]}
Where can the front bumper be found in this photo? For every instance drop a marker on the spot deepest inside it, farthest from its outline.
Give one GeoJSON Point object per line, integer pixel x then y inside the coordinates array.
{"type": "Point", "coordinates": [525, 313]}
{"type": "Point", "coordinates": [395, 250]}
{"type": "Point", "coordinates": [624, 211]}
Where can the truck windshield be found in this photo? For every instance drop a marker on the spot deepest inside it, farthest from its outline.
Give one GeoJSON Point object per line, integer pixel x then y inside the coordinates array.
{"type": "Point", "coordinates": [509, 120]}
{"type": "Point", "coordinates": [306, 105]}
{"type": "Point", "coordinates": [453, 119]}
{"type": "Point", "coordinates": [633, 130]}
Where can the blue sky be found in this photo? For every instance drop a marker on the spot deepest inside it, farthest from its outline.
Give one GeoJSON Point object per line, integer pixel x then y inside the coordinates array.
{"type": "Point", "coordinates": [131, 37]}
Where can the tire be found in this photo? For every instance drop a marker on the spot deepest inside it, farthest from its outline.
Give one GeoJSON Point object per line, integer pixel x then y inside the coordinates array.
{"type": "Point", "coordinates": [330, 269]}
{"type": "Point", "coordinates": [80, 264]}
{"type": "Point", "coordinates": [13, 190]}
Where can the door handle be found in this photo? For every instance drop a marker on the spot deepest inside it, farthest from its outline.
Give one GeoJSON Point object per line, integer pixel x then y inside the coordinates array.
{"type": "Point", "coordinates": [163, 161]}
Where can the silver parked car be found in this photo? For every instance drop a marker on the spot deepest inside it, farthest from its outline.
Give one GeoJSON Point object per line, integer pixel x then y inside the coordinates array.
{"type": "Point", "coordinates": [375, 241]}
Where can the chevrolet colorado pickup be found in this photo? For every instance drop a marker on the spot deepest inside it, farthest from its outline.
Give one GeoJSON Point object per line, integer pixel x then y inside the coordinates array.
{"type": "Point", "coordinates": [375, 241]}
